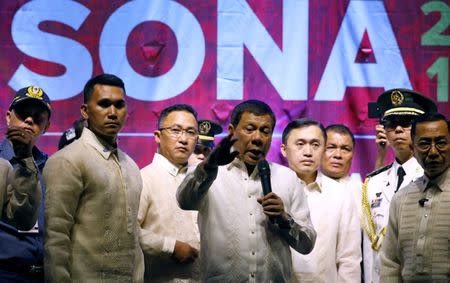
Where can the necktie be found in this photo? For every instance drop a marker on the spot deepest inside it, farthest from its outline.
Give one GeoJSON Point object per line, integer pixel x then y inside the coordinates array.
{"type": "Point", "coordinates": [400, 173]}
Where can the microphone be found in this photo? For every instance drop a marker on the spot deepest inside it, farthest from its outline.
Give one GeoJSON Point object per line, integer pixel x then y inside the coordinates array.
{"type": "Point", "coordinates": [264, 174]}
{"type": "Point", "coordinates": [422, 202]}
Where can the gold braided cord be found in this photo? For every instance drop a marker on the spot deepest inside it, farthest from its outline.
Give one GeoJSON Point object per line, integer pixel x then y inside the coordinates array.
{"type": "Point", "coordinates": [368, 224]}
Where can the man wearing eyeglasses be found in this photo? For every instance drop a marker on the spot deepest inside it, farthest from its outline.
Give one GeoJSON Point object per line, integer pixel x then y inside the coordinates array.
{"type": "Point", "coordinates": [398, 108]}
{"type": "Point", "coordinates": [169, 236]}
{"type": "Point", "coordinates": [21, 252]}
{"type": "Point", "coordinates": [417, 242]}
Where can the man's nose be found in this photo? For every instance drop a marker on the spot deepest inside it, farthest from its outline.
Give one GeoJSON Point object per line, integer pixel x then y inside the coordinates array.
{"type": "Point", "coordinates": [337, 154]}
{"type": "Point", "coordinates": [29, 120]}
{"type": "Point", "coordinates": [112, 111]}
{"type": "Point", "coordinates": [433, 151]}
{"type": "Point", "coordinates": [307, 150]}
{"type": "Point", "coordinates": [399, 129]}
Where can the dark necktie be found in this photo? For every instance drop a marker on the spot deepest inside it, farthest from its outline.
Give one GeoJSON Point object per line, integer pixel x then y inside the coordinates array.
{"type": "Point", "coordinates": [400, 173]}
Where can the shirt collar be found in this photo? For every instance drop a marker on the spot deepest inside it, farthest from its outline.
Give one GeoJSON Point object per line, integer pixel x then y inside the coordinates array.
{"type": "Point", "coordinates": [239, 164]}
{"type": "Point", "coordinates": [411, 166]}
{"type": "Point", "coordinates": [90, 138]}
{"type": "Point", "coordinates": [172, 169]}
{"type": "Point", "coordinates": [442, 182]}
{"type": "Point", "coordinates": [316, 185]}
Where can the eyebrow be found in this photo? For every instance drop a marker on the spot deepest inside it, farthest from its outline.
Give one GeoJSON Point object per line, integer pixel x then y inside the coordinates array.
{"type": "Point", "coordinates": [308, 141]}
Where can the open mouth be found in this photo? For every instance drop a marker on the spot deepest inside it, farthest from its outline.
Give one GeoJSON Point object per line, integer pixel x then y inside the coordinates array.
{"type": "Point", "coordinates": [255, 154]}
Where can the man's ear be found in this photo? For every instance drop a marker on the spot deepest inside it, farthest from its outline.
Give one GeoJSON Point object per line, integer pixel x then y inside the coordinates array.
{"type": "Point", "coordinates": [231, 129]}
{"type": "Point", "coordinates": [84, 111]}
{"type": "Point", "coordinates": [8, 117]}
{"type": "Point", "coordinates": [157, 135]}
{"type": "Point", "coordinates": [283, 150]}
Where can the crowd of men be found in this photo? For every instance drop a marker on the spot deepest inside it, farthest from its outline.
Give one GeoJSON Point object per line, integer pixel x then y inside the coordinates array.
{"type": "Point", "coordinates": [202, 212]}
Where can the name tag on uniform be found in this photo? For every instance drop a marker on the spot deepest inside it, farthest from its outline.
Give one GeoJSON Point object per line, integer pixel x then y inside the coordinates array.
{"type": "Point", "coordinates": [376, 203]}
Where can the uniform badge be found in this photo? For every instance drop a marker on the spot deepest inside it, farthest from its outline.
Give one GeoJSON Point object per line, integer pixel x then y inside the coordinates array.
{"type": "Point", "coordinates": [376, 203]}
{"type": "Point", "coordinates": [34, 92]}
{"type": "Point", "coordinates": [397, 97]}
{"type": "Point", "coordinates": [204, 127]}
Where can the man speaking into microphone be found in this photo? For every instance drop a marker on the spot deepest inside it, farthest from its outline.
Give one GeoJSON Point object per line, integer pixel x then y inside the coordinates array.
{"type": "Point", "coordinates": [245, 235]}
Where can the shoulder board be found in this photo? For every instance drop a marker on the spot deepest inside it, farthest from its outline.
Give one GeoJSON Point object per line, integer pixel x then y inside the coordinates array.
{"type": "Point", "coordinates": [378, 171]}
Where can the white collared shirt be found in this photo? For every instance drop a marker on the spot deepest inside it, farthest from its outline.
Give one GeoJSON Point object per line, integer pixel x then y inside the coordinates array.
{"type": "Point", "coordinates": [380, 190]}
{"type": "Point", "coordinates": [238, 242]}
{"type": "Point", "coordinates": [163, 223]}
{"type": "Point", "coordinates": [336, 256]}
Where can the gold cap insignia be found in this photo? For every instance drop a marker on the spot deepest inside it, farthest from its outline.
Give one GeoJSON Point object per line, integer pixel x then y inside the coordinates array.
{"type": "Point", "coordinates": [204, 127]}
{"type": "Point", "coordinates": [35, 92]}
{"type": "Point", "coordinates": [397, 97]}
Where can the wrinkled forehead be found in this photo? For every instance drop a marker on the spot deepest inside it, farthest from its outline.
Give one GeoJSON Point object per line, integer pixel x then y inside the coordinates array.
{"type": "Point", "coordinates": [307, 133]}
{"type": "Point", "coordinates": [252, 118]}
{"type": "Point", "coordinates": [180, 118]}
{"type": "Point", "coordinates": [432, 129]}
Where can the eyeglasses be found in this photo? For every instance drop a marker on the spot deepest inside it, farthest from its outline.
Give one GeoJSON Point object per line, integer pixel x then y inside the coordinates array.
{"type": "Point", "coordinates": [22, 113]}
{"type": "Point", "coordinates": [176, 132]}
{"type": "Point", "coordinates": [391, 125]}
{"type": "Point", "coordinates": [426, 144]}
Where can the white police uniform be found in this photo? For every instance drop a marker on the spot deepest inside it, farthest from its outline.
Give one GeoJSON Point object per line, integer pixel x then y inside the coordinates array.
{"type": "Point", "coordinates": [378, 190]}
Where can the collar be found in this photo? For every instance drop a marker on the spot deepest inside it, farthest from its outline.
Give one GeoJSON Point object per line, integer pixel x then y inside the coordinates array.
{"type": "Point", "coordinates": [7, 152]}
{"type": "Point", "coordinates": [172, 169]}
{"type": "Point", "coordinates": [442, 181]}
{"type": "Point", "coordinates": [411, 166]}
{"type": "Point", "coordinates": [344, 180]}
{"type": "Point", "coordinates": [90, 138]}
{"type": "Point", "coordinates": [316, 185]}
{"type": "Point", "coordinates": [239, 164]}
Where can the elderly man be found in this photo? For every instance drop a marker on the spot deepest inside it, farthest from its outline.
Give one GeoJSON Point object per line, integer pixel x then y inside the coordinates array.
{"type": "Point", "coordinates": [245, 235]}
{"type": "Point", "coordinates": [337, 254]}
{"type": "Point", "coordinates": [398, 108]}
{"type": "Point", "coordinates": [169, 235]}
{"type": "Point", "coordinates": [417, 244]}
{"type": "Point", "coordinates": [28, 118]}
{"type": "Point", "coordinates": [93, 191]}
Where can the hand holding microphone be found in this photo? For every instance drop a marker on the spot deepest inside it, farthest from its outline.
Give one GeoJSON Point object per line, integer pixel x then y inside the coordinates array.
{"type": "Point", "coordinates": [272, 204]}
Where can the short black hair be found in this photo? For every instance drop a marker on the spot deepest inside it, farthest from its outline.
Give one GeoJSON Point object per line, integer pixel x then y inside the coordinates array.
{"type": "Point", "coordinates": [341, 129]}
{"type": "Point", "coordinates": [300, 123]}
{"type": "Point", "coordinates": [428, 117]}
{"type": "Point", "coordinates": [103, 79]}
{"type": "Point", "coordinates": [176, 107]}
{"type": "Point", "coordinates": [253, 106]}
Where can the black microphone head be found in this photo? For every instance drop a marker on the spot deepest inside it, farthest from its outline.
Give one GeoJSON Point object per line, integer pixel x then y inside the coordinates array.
{"type": "Point", "coordinates": [263, 167]}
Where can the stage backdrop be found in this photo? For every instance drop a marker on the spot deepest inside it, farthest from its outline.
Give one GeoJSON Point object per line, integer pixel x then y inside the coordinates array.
{"type": "Point", "coordinates": [319, 59]}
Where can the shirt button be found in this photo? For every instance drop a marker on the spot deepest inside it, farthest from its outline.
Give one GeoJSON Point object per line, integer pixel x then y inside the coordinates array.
{"type": "Point", "coordinates": [253, 253]}
{"type": "Point", "coordinates": [252, 275]}
{"type": "Point", "coordinates": [253, 232]}
{"type": "Point", "coordinates": [249, 196]}
{"type": "Point", "coordinates": [250, 214]}
{"type": "Point", "coordinates": [426, 215]}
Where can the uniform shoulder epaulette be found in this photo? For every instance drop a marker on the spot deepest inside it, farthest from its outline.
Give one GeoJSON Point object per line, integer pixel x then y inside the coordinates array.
{"type": "Point", "coordinates": [378, 171]}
